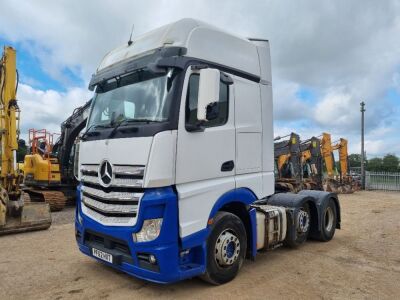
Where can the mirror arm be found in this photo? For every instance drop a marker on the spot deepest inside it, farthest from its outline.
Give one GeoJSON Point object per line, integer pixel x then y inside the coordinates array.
{"type": "Point", "coordinates": [199, 127]}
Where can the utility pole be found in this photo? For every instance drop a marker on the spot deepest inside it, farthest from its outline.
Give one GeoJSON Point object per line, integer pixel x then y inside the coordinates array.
{"type": "Point", "coordinates": [362, 109]}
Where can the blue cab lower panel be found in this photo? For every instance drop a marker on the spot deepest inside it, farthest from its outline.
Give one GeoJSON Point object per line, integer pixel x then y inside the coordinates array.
{"type": "Point", "coordinates": [172, 263]}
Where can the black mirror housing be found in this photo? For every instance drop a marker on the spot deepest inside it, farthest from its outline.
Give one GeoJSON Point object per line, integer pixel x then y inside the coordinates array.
{"type": "Point", "coordinates": [212, 111]}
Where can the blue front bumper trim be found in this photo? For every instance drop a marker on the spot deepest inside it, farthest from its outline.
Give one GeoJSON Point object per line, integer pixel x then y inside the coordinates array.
{"type": "Point", "coordinates": [156, 203]}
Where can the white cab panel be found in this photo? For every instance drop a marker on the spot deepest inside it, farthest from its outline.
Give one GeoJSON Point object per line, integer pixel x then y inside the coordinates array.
{"type": "Point", "coordinates": [267, 140]}
{"type": "Point", "coordinates": [161, 167]}
{"type": "Point", "coordinates": [200, 155]}
{"type": "Point", "coordinates": [248, 126]}
{"type": "Point", "coordinates": [196, 201]}
{"type": "Point", "coordinates": [130, 151]}
{"type": "Point", "coordinates": [199, 179]}
{"type": "Point", "coordinates": [265, 61]}
{"type": "Point", "coordinates": [251, 181]}
{"type": "Point", "coordinates": [201, 40]}
{"type": "Point", "coordinates": [173, 34]}
{"type": "Point", "coordinates": [217, 46]}
{"type": "Point", "coordinates": [248, 145]}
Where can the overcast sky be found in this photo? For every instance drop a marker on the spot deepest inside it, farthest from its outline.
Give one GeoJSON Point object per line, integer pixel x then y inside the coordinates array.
{"type": "Point", "coordinates": [327, 56]}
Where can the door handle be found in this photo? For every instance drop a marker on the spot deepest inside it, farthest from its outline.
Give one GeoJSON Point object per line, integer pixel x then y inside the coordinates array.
{"type": "Point", "coordinates": [227, 166]}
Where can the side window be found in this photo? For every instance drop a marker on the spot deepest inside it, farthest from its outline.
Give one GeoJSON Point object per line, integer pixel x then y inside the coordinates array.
{"type": "Point", "coordinates": [191, 103]}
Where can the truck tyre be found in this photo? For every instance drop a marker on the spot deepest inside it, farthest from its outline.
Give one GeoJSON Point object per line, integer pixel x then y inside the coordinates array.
{"type": "Point", "coordinates": [302, 221]}
{"type": "Point", "coordinates": [226, 248]}
{"type": "Point", "coordinates": [329, 219]}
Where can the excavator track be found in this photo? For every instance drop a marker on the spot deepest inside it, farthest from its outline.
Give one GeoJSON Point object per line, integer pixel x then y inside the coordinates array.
{"type": "Point", "coordinates": [55, 199]}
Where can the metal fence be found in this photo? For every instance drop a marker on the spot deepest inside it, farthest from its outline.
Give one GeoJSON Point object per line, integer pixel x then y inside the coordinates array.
{"type": "Point", "coordinates": [384, 181]}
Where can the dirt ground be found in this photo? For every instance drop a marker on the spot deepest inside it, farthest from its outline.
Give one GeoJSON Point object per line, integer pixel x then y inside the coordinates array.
{"type": "Point", "coordinates": [362, 261]}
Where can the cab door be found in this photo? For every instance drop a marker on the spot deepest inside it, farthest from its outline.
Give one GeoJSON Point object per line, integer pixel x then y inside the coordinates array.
{"type": "Point", "coordinates": [205, 161]}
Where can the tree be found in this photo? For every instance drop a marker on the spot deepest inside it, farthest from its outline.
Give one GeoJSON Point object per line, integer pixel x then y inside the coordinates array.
{"type": "Point", "coordinates": [375, 164]}
{"type": "Point", "coordinates": [390, 163]}
{"type": "Point", "coordinates": [355, 160]}
{"type": "Point", "coordinates": [22, 150]}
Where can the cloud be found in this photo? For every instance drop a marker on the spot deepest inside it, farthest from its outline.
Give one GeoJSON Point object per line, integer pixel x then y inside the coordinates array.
{"type": "Point", "coordinates": [47, 109]}
{"type": "Point", "coordinates": [344, 51]}
{"type": "Point", "coordinates": [287, 106]}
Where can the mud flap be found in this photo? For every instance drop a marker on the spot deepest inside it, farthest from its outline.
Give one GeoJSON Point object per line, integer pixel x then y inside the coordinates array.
{"type": "Point", "coordinates": [34, 216]}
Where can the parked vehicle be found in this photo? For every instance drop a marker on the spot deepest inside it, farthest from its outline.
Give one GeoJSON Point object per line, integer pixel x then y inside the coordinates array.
{"type": "Point", "coordinates": [177, 160]}
{"type": "Point", "coordinates": [17, 212]}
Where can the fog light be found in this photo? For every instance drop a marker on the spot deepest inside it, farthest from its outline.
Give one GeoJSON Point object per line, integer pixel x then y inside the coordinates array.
{"type": "Point", "coordinates": [150, 231]}
{"type": "Point", "coordinates": [152, 259]}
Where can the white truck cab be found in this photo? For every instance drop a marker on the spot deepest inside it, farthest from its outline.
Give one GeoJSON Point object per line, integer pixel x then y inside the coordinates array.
{"type": "Point", "coordinates": [176, 164]}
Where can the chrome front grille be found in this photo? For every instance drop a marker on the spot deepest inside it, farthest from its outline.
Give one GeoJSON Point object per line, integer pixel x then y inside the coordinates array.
{"type": "Point", "coordinates": [123, 176]}
{"type": "Point", "coordinates": [116, 204]}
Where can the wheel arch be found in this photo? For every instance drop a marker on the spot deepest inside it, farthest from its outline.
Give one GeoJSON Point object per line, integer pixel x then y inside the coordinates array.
{"type": "Point", "coordinates": [321, 198]}
{"type": "Point", "coordinates": [237, 202]}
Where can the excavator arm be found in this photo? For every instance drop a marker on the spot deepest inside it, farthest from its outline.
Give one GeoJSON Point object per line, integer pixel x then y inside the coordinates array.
{"type": "Point", "coordinates": [287, 154]}
{"type": "Point", "coordinates": [70, 129]}
{"type": "Point", "coordinates": [15, 214]}
{"type": "Point", "coordinates": [343, 156]}
{"type": "Point", "coordinates": [327, 154]}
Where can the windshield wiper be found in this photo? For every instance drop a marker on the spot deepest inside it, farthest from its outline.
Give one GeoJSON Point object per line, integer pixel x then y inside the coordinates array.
{"type": "Point", "coordinates": [125, 121]}
{"type": "Point", "coordinates": [88, 132]}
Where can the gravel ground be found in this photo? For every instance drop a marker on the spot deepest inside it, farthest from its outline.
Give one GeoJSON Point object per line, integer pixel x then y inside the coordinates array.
{"type": "Point", "coordinates": [362, 261]}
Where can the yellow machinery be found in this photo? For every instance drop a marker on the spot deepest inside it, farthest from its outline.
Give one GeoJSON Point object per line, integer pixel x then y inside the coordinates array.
{"type": "Point", "coordinates": [349, 185]}
{"type": "Point", "coordinates": [287, 159]}
{"type": "Point", "coordinates": [298, 164]}
{"type": "Point", "coordinates": [15, 214]}
{"type": "Point", "coordinates": [311, 161]}
{"type": "Point", "coordinates": [342, 182]}
{"type": "Point", "coordinates": [42, 176]}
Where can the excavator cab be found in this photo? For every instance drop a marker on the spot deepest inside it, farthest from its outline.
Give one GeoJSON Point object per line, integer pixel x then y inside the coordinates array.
{"type": "Point", "coordinates": [42, 178]}
{"type": "Point", "coordinates": [289, 169]}
{"type": "Point", "coordinates": [311, 161]}
{"type": "Point", "coordinates": [40, 166]}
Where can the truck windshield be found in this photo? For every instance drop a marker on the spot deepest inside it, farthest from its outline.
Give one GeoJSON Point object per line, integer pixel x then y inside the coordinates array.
{"type": "Point", "coordinates": [136, 97]}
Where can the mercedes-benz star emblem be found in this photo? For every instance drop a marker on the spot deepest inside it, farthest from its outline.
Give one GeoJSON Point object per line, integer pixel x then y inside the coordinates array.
{"type": "Point", "coordinates": [105, 173]}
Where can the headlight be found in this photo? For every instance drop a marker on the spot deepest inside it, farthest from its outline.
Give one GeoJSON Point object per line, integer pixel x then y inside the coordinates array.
{"type": "Point", "coordinates": [150, 231]}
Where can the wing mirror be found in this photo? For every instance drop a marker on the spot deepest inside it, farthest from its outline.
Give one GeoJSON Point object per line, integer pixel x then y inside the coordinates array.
{"type": "Point", "coordinates": [207, 105]}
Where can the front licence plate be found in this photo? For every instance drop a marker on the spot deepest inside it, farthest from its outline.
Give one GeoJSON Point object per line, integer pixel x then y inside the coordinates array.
{"type": "Point", "coordinates": [102, 255]}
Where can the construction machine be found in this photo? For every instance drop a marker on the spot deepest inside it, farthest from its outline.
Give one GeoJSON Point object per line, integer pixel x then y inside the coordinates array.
{"type": "Point", "coordinates": [311, 160]}
{"type": "Point", "coordinates": [346, 180]}
{"type": "Point", "coordinates": [288, 163]}
{"type": "Point", "coordinates": [48, 169]}
{"type": "Point", "coordinates": [42, 178]}
{"type": "Point", "coordinates": [338, 182]}
{"type": "Point", "coordinates": [17, 213]}
{"type": "Point", "coordinates": [64, 148]}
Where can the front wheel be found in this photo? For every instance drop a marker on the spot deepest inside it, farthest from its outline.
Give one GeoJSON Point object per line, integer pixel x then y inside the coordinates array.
{"type": "Point", "coordinates": [226, 248]}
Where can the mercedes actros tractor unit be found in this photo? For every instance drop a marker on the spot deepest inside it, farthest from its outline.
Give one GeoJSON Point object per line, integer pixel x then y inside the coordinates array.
{"type": "Point", "coordinates": [176, 163]}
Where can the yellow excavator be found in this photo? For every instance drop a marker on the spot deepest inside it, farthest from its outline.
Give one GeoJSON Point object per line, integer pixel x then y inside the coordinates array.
{"type": "Point", "coordinates": [17, 213]}
{"type": "Point", "coordinates": [49, 167]}
{"type": "Point", "coordinates": [311, 161]}
{"type": "Point", "coordinates": [42, 178]}
{"type": "Point", "coordinates": [288, 164]}
{"type": "Point", "coordinates": [339, 182]}
{"type": "Point", "coordinates": [346, 180]}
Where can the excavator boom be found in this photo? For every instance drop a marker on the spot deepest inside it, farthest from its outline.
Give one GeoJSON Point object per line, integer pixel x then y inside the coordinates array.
{"type": "Point", "coordinates": [15, 214]}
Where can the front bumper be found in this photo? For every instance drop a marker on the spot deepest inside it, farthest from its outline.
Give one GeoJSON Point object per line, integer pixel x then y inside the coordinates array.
{"type": "Point", "coordinates": [172, 264]}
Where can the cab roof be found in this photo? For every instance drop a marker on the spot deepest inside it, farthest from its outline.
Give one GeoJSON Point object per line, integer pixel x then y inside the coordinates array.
{"type": "Point", "coordinates": [201, 41]}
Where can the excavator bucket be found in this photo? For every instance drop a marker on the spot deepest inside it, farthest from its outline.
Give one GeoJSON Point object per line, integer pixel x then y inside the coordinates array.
{"type": "Point", "coordinates": [34, 216]}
